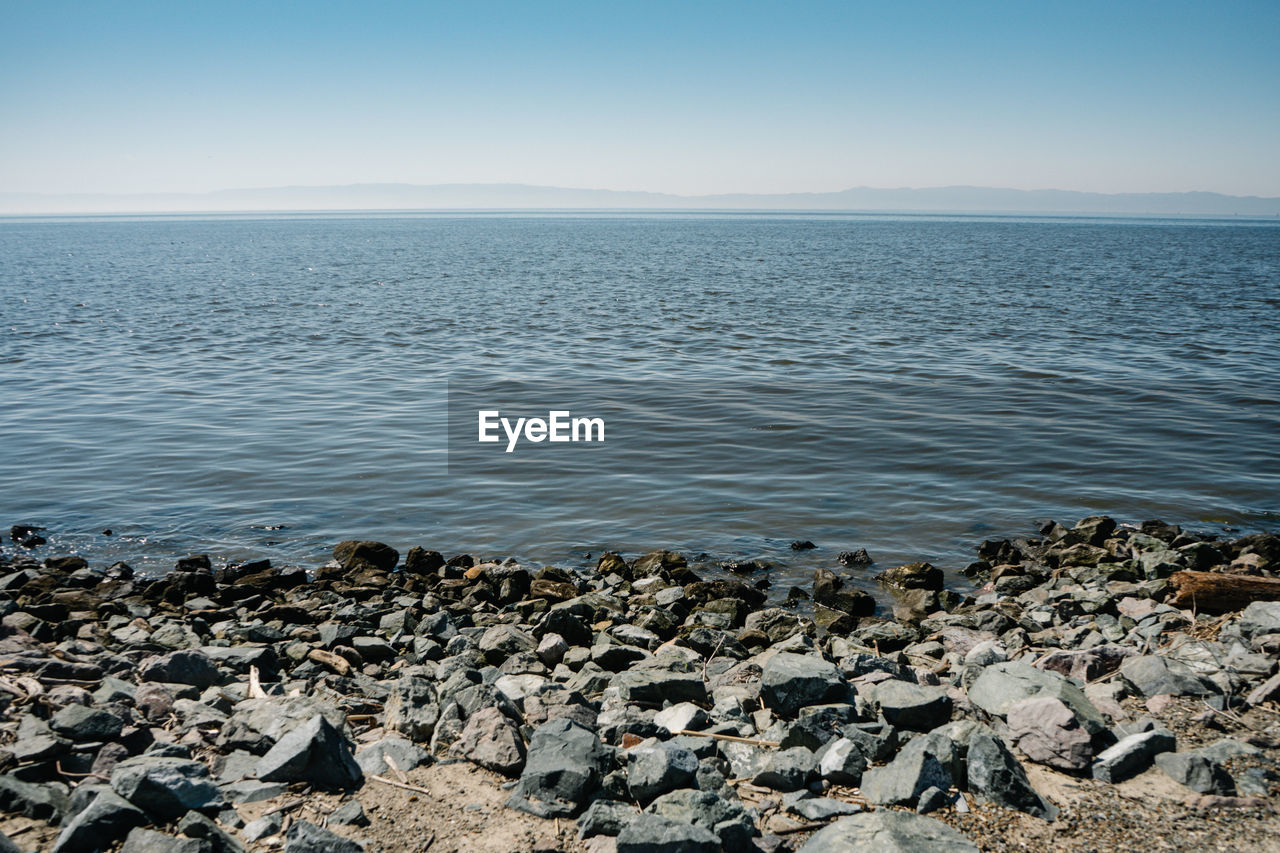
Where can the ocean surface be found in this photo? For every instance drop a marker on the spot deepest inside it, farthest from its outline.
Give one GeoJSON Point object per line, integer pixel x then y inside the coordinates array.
{"type": "Point", "coordinates": [270, 385]}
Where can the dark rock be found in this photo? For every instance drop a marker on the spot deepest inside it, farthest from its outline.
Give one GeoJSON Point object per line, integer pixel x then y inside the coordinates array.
{"type": "Point", "coordinates": [185, 666]}
{"type": "Point", "coordinates": [825, 808]}
{"type": "Point", "coordinates": [564, 766]}
{"type": "Point", "coordinates": [916, 707]}
{"type": "Point", "coordinates": [196, 825]}
{"type": "Point", "coordinates": [502, 641]}
{"type": "Point", "coordinates": [886, 831]}
{"type": "Point", "coordinates": [842, 762]}
{"type": "Point", "coordinates": [350, 813]}
{"type": "Point", "coordinates": [355, 556]}
{"type": "Point", "coordinates": [829, 590]}
{"type": "Point", "coordinates": [655, 687]}
{"type": "Point", "coordinates": [107, 819]}
{"type": "Point", "coordinates": [412, 709]}
{"type": "Point", "coordinates": [791, 682]}
{"type": "Point", "coordinates": [995, 774]}
{"type": "Point", "coordinates": [1196, 771]}
{"type": "Point", "coordinates": [492, 741]}
{"type": "Point", "coordinates": [912, 576]}
{"type": "Point", "coordinates": [858, 557]}
{"type": "Point", "coordinates": [726, 818]}
{"type": "Point", "coordinates": [314, 752]}
{"type": "Point", "coordinates": [1132, 755]}
{"type": "Point", "coordinates": [166, 787]}
{"type": "Point", "coordinates": [80, 723]}
{"type": "Point", "coordinates": [658, 562]}
{"type": "Point", "coordinates": [306, 837]}
{"type": "Point", "coordinates": [422, 562]}
{"type": "Point", "coordinates": [802, 545]}
{"type": "Point", "coordinates": [655, 770]}
{"type": "Point", "coordinates": [605, 817]}
{"type": "Point", "coordinates": [649, 833]}
{"type": "Point", "coordinates": [142, 840]}
{"type": "Point", "coordinates": [788, 769]}
{"type": "Point", "coordinates": [41, 801]}
{"type": "Point", "coordinates": [902, 781]}
{"type": "Point", "coordinates": [1152, 675]}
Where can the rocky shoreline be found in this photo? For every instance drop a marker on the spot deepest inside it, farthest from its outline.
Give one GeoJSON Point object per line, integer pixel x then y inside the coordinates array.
{"type": "Point", "coordinates": [1107, 687]}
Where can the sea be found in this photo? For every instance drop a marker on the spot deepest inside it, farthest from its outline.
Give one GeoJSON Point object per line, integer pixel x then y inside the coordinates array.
{"type": "Point", "coordinates": [267, 385]}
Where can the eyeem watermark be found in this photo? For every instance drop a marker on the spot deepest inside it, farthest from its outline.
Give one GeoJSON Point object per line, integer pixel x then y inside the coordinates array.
{"type": "Point", "coordinates": [558, 426]}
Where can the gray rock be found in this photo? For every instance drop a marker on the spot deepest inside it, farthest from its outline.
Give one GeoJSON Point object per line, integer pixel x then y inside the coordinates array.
{"type": "Point", "coordinates": [142, 840]}
{"type": "Point", "coordinates": [885, 831]}
{"type": "Point", "coordinates": [492, 741]}
{"type": "Point", "coordinates": [1196, 771]}
{"type": "Point", "coordinates": [825, 808]}
{"type": "Point", "coordinates": [306, 837]}
{"type": "Point", "coordinates": [605, 817]}
{"type": "Point", "coordinates": [185, 666]}
{"type": "Point", "coordinates": [726, 818]}
{"type": "Point", "coordinates": [166, 787]}
{"type": "Point", "coordinates": [683, 716]}
{"type": "Point", "coordinates": [649, 833]}
{"type": "Point", "coordinates": [932, 800]}
{"type": "Point", "coordinates": [1048, 732]}
{"type": "Point", "coordinates": [564, 767]}
{"type": "Point", "coordinates": [912, 706]}
{"type": "Point", "coordinates": [790, 682]}
{"type": "Point", "coordinates": [315, 752]}
{"type": "Point", "coordinates": [995, 774]}
{"type": "Point", "coordinates": [502, 641]}
{"type": "Point", "coordinates": [1001, 686]}
{"type": "Point", "coordinates": [1151, 675]}
{"type": "Point", "coordinates": [655, 770]}
{"type": "Point", "coordinates": [1131, 755]}
{"type": "Point", "coordinates": [412, 709]}
{"type": "Point", "coordinates": [1259, 618]}
{"type": "Point", "coordinates": [842, 762]}
{"type": "Point", "coordinates": [902, 781]}
{"type": "Point", "coordinates": [40, 801]}
{"type": "Point", "coordinates": [196, 825]}
{"type": "Point", "coordinates": [107, 819]}
{"type": "Point", "coordinates": [80, 723]}
{"type": "Point", "coordinates": [406, 755]}
{"type": "Point", "coordinates": [788, 769]}
{"type": "Point", "coordinates": [350, 813]}
{"type": "Point", "coordinates": [256, 724]}
{"type": "Point", "coordinates": [655, 687]}
{"type": "Point", "coordinates": [256, 830]}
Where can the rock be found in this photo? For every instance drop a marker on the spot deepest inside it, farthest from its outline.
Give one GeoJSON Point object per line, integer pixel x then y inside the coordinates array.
{"type": "Point", "coordinates": [107, 819]}
{"type": "Point", "coordinates": [551, 649]}
{"type": "Point", "coordinates": [1086, 664]}
{"type": "Point", "coordinates": [788, 769]}
{"type": "Point", "coordinates": [196, 825]}
{"type": "Point", "coordinates": [411, 709]}
{"type": "Point", "coordinates": [563, 768]}
{"type": "Point", "coordinates": [314, 752]}
{"type": "Point", "coordinates": [1259, 618]}
{"type": "Point", "coordinates": [649, 833]}
{"type": "Point", "coordinates": [260, 828]}
{"type": "Point", "coordinates": [655, 770]}
{"type": "Point", "coordinates": [166, 787]}
{"type": "Point", "coordinates": [791, 682]}
{"type": "Point", "coordinates": [902, 781]}
{"type": "Point", "coordinates": [912, 706]}
{"type": "Point", "coordinates": [1196, 771]}
{"type": "Point", "coordinates": [604, 817]}
{"type": "Point", "coordinates": [350, 813]}
{"type": "Point", "coordinates": [842, 762]}
{"type": "Point", "coordinates": [932, 800]}
{"type": "Point", "coordinates": [406, 755]}
{"type": "Point", "coordinates": [683, 716]}
{"type": "Point", "coordinates": [184, 666]}
{"type": "Point", "coordinates": [829, 590]}
{"type": "Point", "coordinates": [825, 808]}
{"type": "Point", "coordinates": [80, 723]}
{"type": "Point", "coordinates": [1152, 675]}
{"type": "Point", "coordinates": [305, 837]}
{"type": "Point", "coordinates": [1047, 732]}
{"type": "Point", "coordinates": [858, 557]}
{"type": "Point", "coordinates": [885, 831]}
{"type": "Point", "coordinates": [912, 576]}
{"type": "Point", "coordinates": [502, 641]}
{"type": "Point", "coordinates": [655, 687]}
{"type": "Point", "coordinates": [996, 774]}
{"type": "Point", "coordinates": [492, 741]}
{"type": "Point", "coordinates": [355, 556]}
{"type": "Point", "coordinates": [142, 840]}
{"type": "Point", "coordinates": [46, 802]}
{"type": "Point", "coordinates": [1001, 686]}
{"type": "Point", "coordinates": [1131, 755]}
{"type": "Point", "coordinates": [726, 818]}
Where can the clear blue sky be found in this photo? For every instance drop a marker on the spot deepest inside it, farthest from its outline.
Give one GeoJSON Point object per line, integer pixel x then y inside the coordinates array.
{"type": "Point", "coordinates": [680, 97]}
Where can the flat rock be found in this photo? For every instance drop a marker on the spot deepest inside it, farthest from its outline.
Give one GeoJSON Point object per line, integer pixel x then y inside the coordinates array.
{"type": "Point", "coordinates": [649, 833]}
{"type": "Point", "coordinates": [1196, 771]}
{"type": "Point", "coordinates": [916, 707]}
{"type": "Point", "coordinates": [406, 755]}
{"type": "Point", "coordinates": [81, 723]}
{"type": "Point", "coordinates": [166, 787]}
{"type": "Point", "coordinates": [1001, 686]}
{"type": "Point", "coordinates": [886, 831]}
{"type": "Point", "coordinates": [902, 781]}
{"type": "Point", "coordinates": [791, 681]}
{"type": "Point", "coordinates": [1260, 617]}
{"type": "Point", "coordinates": [1153, 675]}
{"type": "Point", "coordinates": [788, 769]}
{"type": "Point", "coordinates": [142, 840]}
{"type": "Point", "coordinates": [1131, 755]}
{"type": "Point", "coordinates": [184, 666]}
{"type": "Point", "coordinates": [655, 770]}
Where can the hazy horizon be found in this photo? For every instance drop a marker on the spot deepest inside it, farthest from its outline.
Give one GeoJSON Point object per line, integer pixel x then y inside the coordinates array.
{"type": "Point", "coordinates": [691, 100]}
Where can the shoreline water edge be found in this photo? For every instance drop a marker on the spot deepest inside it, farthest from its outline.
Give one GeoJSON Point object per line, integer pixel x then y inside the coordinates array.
{"type": "Point", "coordinates": [1104, 686]}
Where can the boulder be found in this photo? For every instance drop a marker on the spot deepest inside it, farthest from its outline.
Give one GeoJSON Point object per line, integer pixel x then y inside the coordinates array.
{"type": "Point", "coordinates": [1152, 675]}
{"type": "Point", "coordinates": [885, 831]}
{"type": "Point", "coordinates": [649, 833]}
{"type": "Point", "coordinates": [107, 819]}
{"type": "Point", "coordinates": [166, 788]}
{"type": "Point", "coordinates": [142, 840]}
{"type": "Point", "coordinates": [406, 755]}
{"type": "Point", "coordinates": [912, 576]}
{"type": "Point", "coordinates": [902, 781]}
{"type": "Point", "coordinates": [81, 723]}
{"type": "Point", "coordinates": [491, 740]}
{"type": "Point", "coordinates": [1001, 686]}
{"type": "Point", "coordinates": [791, 681]}
{"type": "Point", "coordinates": [655, 770]}
{"type": "Point", "coordinates": [305, 837]}
{"type": "Point", "coordinates": [184, 666]}
{"type": "Point", "coordinates": [916, 707]}
{"type": "Point", "coordinates": [355, 555]}
{"type": "Point", "coordinates": [315, 752]}
{"type": "Point", "coordinates": [995, 774]}
{"type": "Point", "coordinates": [1131, 755]}
{"type": "Point", "coordinates": [788, 769]}
{"type": "Point", "coordinates": [563, 769]}
{"type": "Point", "coordinates": [1197, 771]}
{"type": "Point", "coordinates": [1048, 732]}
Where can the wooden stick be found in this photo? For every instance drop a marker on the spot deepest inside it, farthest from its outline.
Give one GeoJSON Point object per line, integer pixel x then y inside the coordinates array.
{"type": "Point", "coordinates": [393, 783]}
{"type": "Point", "coordinates": [255, 685]}
{"type": "Point", "coordinates": [734, 738]}
{"type": "Point", "coordinates": [1219, 592]}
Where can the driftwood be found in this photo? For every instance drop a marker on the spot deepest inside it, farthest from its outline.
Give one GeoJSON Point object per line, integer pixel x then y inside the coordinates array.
{"type": "Point", "coordinates": [1213, 592]}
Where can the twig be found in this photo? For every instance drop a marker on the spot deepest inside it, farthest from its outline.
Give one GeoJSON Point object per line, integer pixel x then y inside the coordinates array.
{"type": "Point", "coordinates": [283, 808]}
{"type": "Point", "coordinates": [393, 783]}
{"type": "Point", "coordinates": [58, 765]}
{"type": "Point", "coordinates": [395, 768]}
{"type": "Point", "coordinates": [255, 685]}
{"type": "Point", "coordinates": [734, 738]}
{"type": "Point", "coordinates": [804, 827]}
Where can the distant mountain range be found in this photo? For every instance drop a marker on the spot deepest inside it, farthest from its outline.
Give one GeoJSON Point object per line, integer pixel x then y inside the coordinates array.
{"type": "Point", "coordinates": [526, 197]}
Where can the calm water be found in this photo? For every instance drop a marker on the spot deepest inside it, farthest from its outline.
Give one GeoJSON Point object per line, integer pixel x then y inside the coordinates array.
{"type": "Point", "coordinates": [269, 386]}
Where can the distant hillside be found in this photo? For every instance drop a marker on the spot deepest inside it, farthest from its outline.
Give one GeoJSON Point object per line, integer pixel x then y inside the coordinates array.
{"type": "Point", "coordinates": [525, 197]}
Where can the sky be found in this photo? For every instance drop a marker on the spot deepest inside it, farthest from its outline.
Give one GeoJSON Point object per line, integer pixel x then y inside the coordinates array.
{"type": "Point", "coordinates": [687, 97]}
